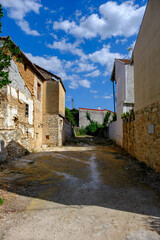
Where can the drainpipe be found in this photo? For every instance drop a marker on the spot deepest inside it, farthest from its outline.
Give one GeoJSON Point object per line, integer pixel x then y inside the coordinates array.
{"type": "Point", "coordinates": [114, 97]}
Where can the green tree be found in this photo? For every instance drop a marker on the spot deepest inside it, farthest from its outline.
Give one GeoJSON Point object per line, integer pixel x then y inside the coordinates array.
{"type": "Point", "coordinates": [69, 116]}
{"type": "Point", "coordinates": [75, 113]}
{"type": "Point", "coordinates": [7, 51]}
{"type": "Point", "coordinates": [106, 119]}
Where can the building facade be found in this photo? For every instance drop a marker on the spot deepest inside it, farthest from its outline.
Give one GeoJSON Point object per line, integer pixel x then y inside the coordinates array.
{"type": "Point", "coordinates": [96, 115]}
{"type": "Point", "coordinates": [123, 77]}
{"type": "Point", "coordinates": [146, 59]}
{"type": "Point", "coordinates": [32, 109]}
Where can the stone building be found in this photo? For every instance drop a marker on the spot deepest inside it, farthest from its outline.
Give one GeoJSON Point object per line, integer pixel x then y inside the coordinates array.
{"type": "Point", "coordinates": [146, 59]}
{"type": "Point", "coordinates": [32, 109]}
{"type": "Point", "coordinates": [95, 114]}
{"type": "Point", "coordinates": [123, 76]}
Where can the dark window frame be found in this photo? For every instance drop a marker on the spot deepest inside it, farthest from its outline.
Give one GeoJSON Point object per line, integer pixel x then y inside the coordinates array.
{"type": "Point", "coordinates": [26, 110]}
{"type": "Point", "coordinates": [25, 66]}
{"type": "Point", "coordinates": [39, 91]}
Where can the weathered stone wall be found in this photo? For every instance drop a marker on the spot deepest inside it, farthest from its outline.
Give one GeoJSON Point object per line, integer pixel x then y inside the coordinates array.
{"type": "Point", "coordinates": [27, 75]}
{"type": "Point", "coordinates": [61, 100]}
{"type": "Point", "coordinates": [129, 137]}
{"type": "Point", "coordinates": [95, 114]}
{"type": "Point", "coordinates": [38, 113]}
{"type": "Point", "coordinates": [51, 130]}
{"type": "Point", "coordinates": [142, 137]}
{"type": "Point", "coordinates": [16, 129]}
{"type": "Point", "coordinates": [68, 132]}
{"type": "Point", "coordinates": [147, 58]}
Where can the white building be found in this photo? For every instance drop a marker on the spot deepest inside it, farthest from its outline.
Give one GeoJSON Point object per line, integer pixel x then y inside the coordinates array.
{"type": "Point", "coordinates": [123, 77]}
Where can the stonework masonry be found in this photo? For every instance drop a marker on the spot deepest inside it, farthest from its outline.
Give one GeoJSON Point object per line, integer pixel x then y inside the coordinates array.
{"type": "Point", "coordinates": [142, 136]}
{"type": "Point", "coordinates": [32, 110]}
{"type": "Point", "coordinates": [16, 130]}
{"type": "Point", "coordinates": [68, 131]}
{"type": "Point", "coordinates": [50, 130]}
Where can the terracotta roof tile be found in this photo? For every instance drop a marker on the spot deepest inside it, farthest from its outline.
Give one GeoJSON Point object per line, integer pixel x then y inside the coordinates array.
{"type": "Point", "coordinates": [125, 61]}
{"type": "Point", "coordinates": [99, 110]}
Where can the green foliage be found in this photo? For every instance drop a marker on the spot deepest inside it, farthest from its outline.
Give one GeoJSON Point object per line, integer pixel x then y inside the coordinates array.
{"type": "Point", "coordinates": [106, 119]}
{"type": "Point", "coordinates": [69, 116]}
{"type": "Point", "coordinates": [75, 113]}
{"type": "Point", "coordinates": [1, 15]}
{"type": "Point", "coordinates": [131, 113]}
{"type": "Point", "coordinates": [92, 128]}
{"type": "Point", "coordinates": [1, 201]}
{"type": "Point", "coordinates": [6, 52]}
{"type": "Point", "coordinates": [72, 116]}
{"type": "Point", "coordinates": [114, 117]}
{"type": "Point", "coordinates": [88, 117]}
{"type": "Point", "coordinates": [125, 115]}
{"type": "Point", "coordinates": [81, 132]}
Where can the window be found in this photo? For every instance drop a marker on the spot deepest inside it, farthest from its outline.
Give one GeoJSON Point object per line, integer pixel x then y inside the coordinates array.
{"type": "Point", "coordinates": [27, 110]}
{"type": "Point", "coordinates": [39, 91]}
{"type": "Point", "coordinates": [25, 66]}
{"type": "Point", "coordinates": [47, 136]}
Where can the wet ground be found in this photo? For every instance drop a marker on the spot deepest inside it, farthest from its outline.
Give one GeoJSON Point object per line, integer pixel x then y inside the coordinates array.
{"type": "Point", "coordinates": [89, 190]}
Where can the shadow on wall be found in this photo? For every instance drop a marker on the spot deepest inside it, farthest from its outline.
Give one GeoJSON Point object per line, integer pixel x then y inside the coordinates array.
{"type": "Point", "coordinates": [11, 150]}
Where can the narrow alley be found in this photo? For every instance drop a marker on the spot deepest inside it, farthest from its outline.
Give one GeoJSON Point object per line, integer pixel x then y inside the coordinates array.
{"type": "Point", "coordinates": [88, 190]}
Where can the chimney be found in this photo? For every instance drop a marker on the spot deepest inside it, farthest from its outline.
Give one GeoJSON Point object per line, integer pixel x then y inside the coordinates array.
{"type": "Point", "coordinates": [99, 108]}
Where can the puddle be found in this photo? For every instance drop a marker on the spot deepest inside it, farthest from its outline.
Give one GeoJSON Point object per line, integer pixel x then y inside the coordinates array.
{"type": "Point", "coordinates": [95, 181]}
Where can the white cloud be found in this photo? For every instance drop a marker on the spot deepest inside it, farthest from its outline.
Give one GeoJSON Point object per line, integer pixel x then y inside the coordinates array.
{"type": "Point", "coordinates": [96, 73]}
{"type": "Point", "coordinates": [105, 57]}
{"type": "Point", "coordinates": [131, 49]}
{"type": "Point", "coordinates": [113, 20]}
{"type": "Point", "coordinates": [18, 10]}
{"type": "Point", "coordinates": [83, 66]}
{"type": "Point", "coordinates": [78, 13]}
{"type": "Point", "coordinates": [65, 46]}
{"type": "Point", "coordinates": [85, 83]}
{"type": "Point", "coordinates": [58, 67]}
{"type": "Point", "coordinates": [24, 25]}
{"type": "Point", "coordinates": [121, 41]}
{"type": "Point", "coordinates": [107, 97]}
{"type": "Point", "coordinates": [93, 91]}
{"type": "Point", "coordinates": [77, 82]}
{"type": "Point", "coordinates": [73, 85]}
{"type": "Point", "coordinates": [52, 64]}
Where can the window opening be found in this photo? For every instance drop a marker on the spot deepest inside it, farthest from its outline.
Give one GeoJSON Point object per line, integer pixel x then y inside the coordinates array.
{"type": "Point", "coordinates": [39, 91]}
{"type": "Point", "coordinates": [27, 110]}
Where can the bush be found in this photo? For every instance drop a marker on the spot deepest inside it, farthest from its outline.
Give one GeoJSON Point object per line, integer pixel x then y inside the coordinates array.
{"type": "Point", "coordinates": [106, 119]}
{"type": "Point", "coordinates": [81, 132]}
{"type": "Point", "coordinates": [1, 201]}
{"type": "Point", "coordinates": [72, 116]}
{"type": "Point", "coordinates": [114, 117]}
{"type": "Point", "coordinates": [69, 116]}
{"type": "Point", "coordinates": [93, 127]}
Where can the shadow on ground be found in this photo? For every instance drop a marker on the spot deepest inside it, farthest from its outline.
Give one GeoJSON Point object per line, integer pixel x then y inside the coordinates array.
{"type": "Point", "coordinates": [87, 173]}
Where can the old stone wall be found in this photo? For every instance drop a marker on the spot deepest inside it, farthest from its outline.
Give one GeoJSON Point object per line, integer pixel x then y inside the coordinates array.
{"type": "Point", "coordinates": [95, 114]}
{"type": "Point", "coordinates": [38, 112]}
{"type": "Point", "coordinates": [147, 58]}
{"type": "Point", "coordinates": [142, 137]}
{"type": "Point", "coordinates": [16, 129]}
{"type": "Point", "coordinates": [27, 75]}
{"type": "Point", "coordinates": [68, 132]}
{"type": "Point", "coordinates": [129, 137]}
{"type": "Point", "coordinates": [51, 130]}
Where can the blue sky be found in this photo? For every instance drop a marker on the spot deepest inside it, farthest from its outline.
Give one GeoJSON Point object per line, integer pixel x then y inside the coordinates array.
{"type": "Point", "coordinates": [77, 40]}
